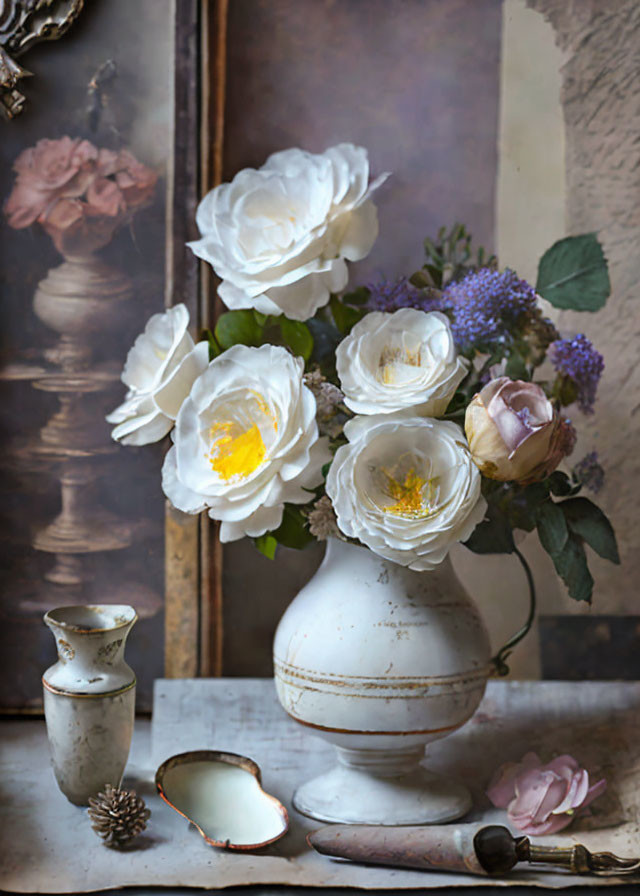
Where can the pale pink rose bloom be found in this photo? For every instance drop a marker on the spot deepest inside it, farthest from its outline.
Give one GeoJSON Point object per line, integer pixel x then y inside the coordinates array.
{"type": "Point", "coordinates": [107, 162]}
{"type": "Point", "coordinates": [46, 172]}
{"type": "Point", "coordinates": [104, 197]}
{"type": "Point", "coordinates": [64, 214]}
{"type": "Point", "coordinates": [79, 194]}
{"type": "Point", "coordinates": [75, 231]}
{"type": "Point", "coordinates": [136, 181]}
{"type": "Point", "coordinates": [514, 432]}
{"type": "Point", "coordinates": [543, 799]}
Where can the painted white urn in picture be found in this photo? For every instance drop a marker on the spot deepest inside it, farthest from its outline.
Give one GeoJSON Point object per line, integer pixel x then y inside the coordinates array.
{"type": "Point", "coordinates": [89, 698]}
{"type": "Point", "coordinates": [380, 661]}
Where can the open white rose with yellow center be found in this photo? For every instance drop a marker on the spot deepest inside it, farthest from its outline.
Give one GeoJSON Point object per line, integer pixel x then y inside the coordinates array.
{"type": "Point", "coordinates": [160, 369]}
{"type": "Point", "coordinates": [246, 442]}
{"type": "Point", "coordinates": [404, 359]}
{"type": "Point", "coordinates": [406, 487]}
{"type": "Point", "coordinates": [278, 236]}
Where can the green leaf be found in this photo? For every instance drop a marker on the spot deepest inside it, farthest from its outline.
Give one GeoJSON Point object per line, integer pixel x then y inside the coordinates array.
{"type": "Point", "coordinates": [515, 368]}
{"type": "Point", "coordinates": [359, 296]}
{"type": "Point", "coordinates": [238, 327]}
{"type": "Point", "coordinates": [266, 544]}
{"type": "Point", "coordinates": [521, 505]}
{"type": "Point", "coordinates": [573, 274]}
{"type": "Point", "coordinates": [589, 522]}
{"type": "Point", "coordinates": [552, 527]}
{"type": "Point", "coordinates": [560, 484]}
{"type": "Point", "coordinates": [261, 319]}
{"type": "Point", "coordinates": [423, 279]}
{"type": "Point", "coordinates": [297, 336]}
{"type": "Point", "coordinates": [344, 316]}
{"type": "Point", "coordinates": [571, 566]}
{"type": "Point", "coordinates": [492, 536]}
{"type": "Point", "coordinates": [293, 531]}
{"type": "Point", "coordinates": [214, 348]}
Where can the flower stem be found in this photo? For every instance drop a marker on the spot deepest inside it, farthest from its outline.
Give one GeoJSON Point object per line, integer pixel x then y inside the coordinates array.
{"type": "Point", "coordinates": [500, 659]}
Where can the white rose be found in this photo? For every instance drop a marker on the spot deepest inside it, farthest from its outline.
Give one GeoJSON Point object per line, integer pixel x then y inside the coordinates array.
{"type": "Point", "coordinates": [406, 487]}
{"type": "Point", "coordinates": [246, 442]}
{"type": "Point", "coordinates": [159, 371]}
{"type": "Point", "coordinates": [278, 236]}
{"type": "Point", "coordinates": [402, 360]}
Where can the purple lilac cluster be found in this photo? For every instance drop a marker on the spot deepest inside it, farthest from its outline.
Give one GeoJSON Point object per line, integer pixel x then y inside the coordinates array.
{"type": "Point", "coordinates": [389, 296]}
{"type": "Point", "coordinates": [589, 472]}
{"type": "Point", "coordinates": [578, 360]}
{"type": "Point", "coordinates": [489, 307]}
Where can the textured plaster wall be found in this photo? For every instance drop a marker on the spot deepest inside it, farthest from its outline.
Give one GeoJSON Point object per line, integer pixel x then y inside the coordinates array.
{"type": "Point", "coordinates": [601, 105]}
{"type": "Point", "coordinates": [530, 216]}
{"type": "Point", "coordinates": [569, 163]}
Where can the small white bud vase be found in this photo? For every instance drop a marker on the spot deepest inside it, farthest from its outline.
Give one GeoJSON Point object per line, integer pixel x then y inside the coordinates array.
{"type": "Point", "coordinates": [89, 698]}
{"type": "Point", "coordinates": [381, 660]}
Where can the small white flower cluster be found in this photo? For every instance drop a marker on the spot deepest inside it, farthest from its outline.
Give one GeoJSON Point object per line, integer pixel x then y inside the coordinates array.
{"type": "Point", "coordinates": [322, 520]}
{"type": "Point", "coordinates": [328, 400]}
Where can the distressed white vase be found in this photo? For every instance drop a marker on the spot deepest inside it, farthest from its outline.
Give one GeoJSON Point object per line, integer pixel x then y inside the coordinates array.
{"type": "Point", "coordinates": [89, 698]}
{"type": "Point", "coordinates": [380, 661]}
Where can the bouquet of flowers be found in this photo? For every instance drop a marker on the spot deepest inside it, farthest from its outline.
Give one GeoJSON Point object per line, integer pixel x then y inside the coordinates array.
{"type": "Point", "coordinates": [402, 416]}
{"type": "Point", "coordinates": [78, 193]}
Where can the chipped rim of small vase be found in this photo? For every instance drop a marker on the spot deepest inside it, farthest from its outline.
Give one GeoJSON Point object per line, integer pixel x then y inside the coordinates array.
{"type": "Point", "coordinates": [123, 615]}
{"type": "Point", "coordinates": [236, 759]}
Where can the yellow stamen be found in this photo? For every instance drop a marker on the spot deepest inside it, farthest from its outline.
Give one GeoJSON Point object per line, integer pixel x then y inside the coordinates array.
{"type": "Point", "coordinates": [236, 455]}
{"type": "Point", "coordinates": [264, 407]}
{"type": "Point", "coordinates": [409, 495]}
{"type": "Point", "coordinates": [391, 357]}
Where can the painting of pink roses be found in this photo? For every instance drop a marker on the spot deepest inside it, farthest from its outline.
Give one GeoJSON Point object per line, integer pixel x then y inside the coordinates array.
{"type": "Point", "coordinates": [78, 194]}
{"type": "Point", "coordinates": [83, 231]}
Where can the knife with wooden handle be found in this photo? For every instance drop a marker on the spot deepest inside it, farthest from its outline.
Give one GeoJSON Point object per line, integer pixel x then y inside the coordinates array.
{"type": "Point", "coordinates": [468, 848]}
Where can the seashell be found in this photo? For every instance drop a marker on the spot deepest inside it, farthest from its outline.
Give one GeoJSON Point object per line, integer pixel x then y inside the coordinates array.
{"type": "Point", "coordinates": [221, 795]}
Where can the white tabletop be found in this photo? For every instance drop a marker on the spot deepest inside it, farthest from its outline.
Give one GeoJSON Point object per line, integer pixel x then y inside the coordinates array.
{"type": "Point", "coordinates": [48, 845]}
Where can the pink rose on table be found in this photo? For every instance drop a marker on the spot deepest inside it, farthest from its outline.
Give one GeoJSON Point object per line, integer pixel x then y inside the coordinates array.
{"type": "Point", "coordinates": [543, 799]}
{"type": "Point", "coordinates": [515, 433]}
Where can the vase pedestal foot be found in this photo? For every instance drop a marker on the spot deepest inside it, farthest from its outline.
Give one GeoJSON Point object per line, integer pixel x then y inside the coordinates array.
{"type": "Point", "coordinates": [382, 787]}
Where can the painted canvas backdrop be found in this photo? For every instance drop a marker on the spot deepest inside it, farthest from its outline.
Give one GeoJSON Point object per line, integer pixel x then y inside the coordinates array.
{"type": "Point", "coordinates": [520, 119]}
{"type": "Point", "coordinates": [138, 115]}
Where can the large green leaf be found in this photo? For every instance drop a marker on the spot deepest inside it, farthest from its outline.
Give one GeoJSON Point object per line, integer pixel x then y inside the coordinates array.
{"type": "Point", "coordinates": [293, 531]}
{"type": "Point", "coordinates": [345, 316]}
{"type": "Point", "coordinates": [552, 527]}
{"type": "Point", "coordinates": [238, 327]}
{"type": "Point", "coordinates": [297, 336]}
{"type": "Point", "coordinates": [214, 348]}
{"type": "Point", "coordinates": [267, 545]}
{"type": "Point", "coordinates": [589, 522]}
{"type": "Point", "coordinates": [571, 566]}
{"type": "Point", "coordinates": [560, 484]}
{"type": "Point", "coordinates": [520, 505]}
{"type": "Point", "coordinates": [573, 274]}
{"type": "Point", "coordinates": [359, 296]}
{"type": "Point", "coordinates": [492, 536]}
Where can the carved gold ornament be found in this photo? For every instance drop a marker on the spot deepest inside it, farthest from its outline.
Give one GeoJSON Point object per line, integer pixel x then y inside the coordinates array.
{"type": "Point", "coordinates": [22, 24]}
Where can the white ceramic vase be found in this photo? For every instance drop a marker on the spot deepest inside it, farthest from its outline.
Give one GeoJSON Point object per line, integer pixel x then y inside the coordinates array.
{"type": "Point", "coordinates": [381, 660]}
{"type": "Point", "coordinates": [89, 698]}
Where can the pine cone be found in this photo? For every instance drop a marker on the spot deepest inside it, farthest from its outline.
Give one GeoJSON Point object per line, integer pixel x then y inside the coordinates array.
{"type": "Point", "coordinates": [118, 815]}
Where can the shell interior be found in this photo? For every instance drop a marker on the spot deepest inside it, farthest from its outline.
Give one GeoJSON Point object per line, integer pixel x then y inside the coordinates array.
{"type": "Point", "coordinates": [221, 794]}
